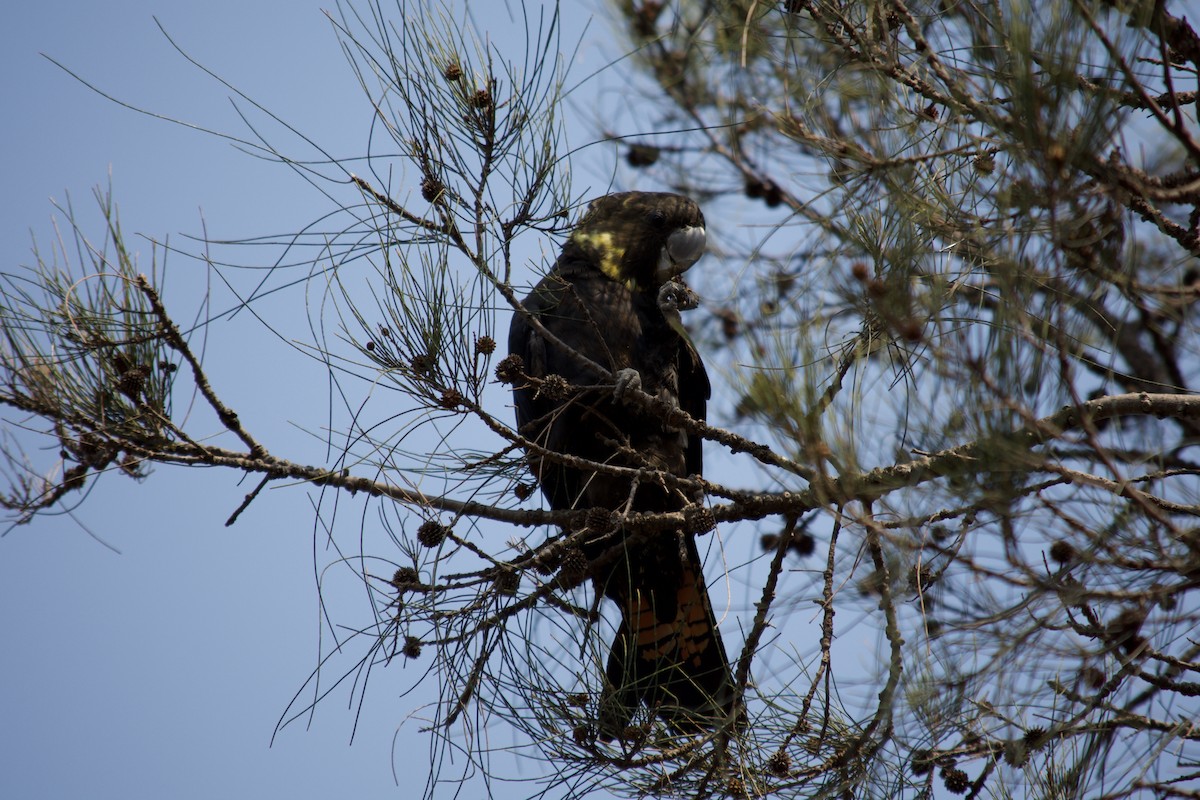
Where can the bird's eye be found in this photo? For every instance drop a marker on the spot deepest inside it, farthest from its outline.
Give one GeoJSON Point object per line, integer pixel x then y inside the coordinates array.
{"type": "Point", "coordinates": [657, 218]}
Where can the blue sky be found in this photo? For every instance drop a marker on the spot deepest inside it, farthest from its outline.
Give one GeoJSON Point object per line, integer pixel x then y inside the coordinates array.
{"type": "Point", "coordinates": [149, 650]}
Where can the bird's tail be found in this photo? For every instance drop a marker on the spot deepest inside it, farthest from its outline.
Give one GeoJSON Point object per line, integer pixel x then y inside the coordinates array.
{"type": "Point", "coordinates": [668, 652]}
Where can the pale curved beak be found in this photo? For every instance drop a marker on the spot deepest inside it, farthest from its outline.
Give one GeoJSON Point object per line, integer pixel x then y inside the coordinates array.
{"type": "Point", "coordinates": [683, 248]}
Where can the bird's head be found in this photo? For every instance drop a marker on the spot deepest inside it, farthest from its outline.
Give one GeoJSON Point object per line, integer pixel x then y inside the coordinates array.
{"type": "Point", "coordinates": [642, 239]}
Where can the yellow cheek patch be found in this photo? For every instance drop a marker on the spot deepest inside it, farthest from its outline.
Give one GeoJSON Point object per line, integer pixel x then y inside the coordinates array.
{"type": "Point", "coordinates": [606, 248]}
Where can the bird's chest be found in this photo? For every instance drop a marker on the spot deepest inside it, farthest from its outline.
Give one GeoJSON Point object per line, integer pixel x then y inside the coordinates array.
{"type": "Point", "coordinates": [631, 333]}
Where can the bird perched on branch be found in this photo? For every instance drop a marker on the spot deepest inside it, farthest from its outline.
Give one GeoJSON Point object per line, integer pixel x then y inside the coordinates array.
{"type": "Point", "coordinates": [608, 323]}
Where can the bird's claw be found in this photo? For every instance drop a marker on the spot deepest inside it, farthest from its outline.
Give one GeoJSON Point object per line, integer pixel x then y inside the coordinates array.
{"type": "Point", "coordinates": [627, 379]}
{"type": "Point", "coordinates": [676, 296]}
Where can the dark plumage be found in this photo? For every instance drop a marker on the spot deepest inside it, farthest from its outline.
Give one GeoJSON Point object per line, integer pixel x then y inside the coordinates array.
{"type": "Point", "coordinates": [611, 298]}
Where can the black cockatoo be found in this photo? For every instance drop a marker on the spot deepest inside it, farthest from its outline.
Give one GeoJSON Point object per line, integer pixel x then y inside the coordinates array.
{"type": "Point", "coordinates": [612, 297]}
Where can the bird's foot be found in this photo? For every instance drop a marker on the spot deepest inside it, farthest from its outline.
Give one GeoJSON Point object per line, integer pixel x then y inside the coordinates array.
{"type": "Point", "coordinates": [676, 296]}
{"type": "Point", "coordinates": [627, 379]}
